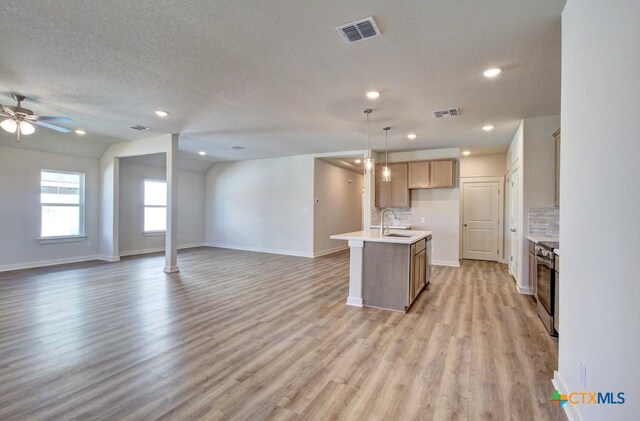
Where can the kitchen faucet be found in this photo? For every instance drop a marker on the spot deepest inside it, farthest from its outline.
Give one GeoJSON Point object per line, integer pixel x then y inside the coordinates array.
{"type": "Point", "coordinates": [382, 229]}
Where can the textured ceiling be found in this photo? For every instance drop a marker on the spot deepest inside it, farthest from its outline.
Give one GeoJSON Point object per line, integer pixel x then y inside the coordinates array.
{"type": "Point", "coordinates": [276, 77]}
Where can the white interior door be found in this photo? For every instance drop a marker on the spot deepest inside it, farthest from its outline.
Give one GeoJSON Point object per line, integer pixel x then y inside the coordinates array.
{"type": "Point", "coordinates": [481, 220]}
{"type": "Point", "coordinates": [514, 212]}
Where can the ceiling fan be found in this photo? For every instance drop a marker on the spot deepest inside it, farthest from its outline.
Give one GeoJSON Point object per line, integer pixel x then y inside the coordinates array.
{"type": "Point", "coordinates": [20, 120]}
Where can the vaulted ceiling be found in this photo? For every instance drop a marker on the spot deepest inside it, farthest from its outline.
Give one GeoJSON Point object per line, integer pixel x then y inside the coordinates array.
{"type": "Point", "coordinates": [275, 77]}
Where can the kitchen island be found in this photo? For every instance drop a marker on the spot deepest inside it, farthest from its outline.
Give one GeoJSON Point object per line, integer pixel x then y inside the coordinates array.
{"type": "Point", "coordinates": [387, 271]}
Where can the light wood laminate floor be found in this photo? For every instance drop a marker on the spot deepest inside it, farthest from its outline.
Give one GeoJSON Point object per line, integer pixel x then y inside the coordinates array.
{"type": "Point", "coordinates": [250, 336]}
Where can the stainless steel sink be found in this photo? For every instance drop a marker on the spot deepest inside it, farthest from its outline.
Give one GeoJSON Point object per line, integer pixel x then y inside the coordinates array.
{"type": "Point", "coordinates": [393, 234]}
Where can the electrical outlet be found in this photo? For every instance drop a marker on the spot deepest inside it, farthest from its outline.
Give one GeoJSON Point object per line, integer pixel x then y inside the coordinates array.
{"type": "Point", "coordinates": [423, 220]}
{"type": "Point", "coordinates": [583, 374]}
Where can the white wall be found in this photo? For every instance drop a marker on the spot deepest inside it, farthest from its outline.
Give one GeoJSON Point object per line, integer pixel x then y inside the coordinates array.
{"type": "Point", "coordinates": [490, 165]}
{"type": "Point", "coordinates": [599, 185]}
{"type": "Point", "coordinates": [338, 205]}
{"type": "Point", "coordinates": [262, 205]}
{"type": "Point", "coordinates": [440, 208]}
{"type": "Point", "coordinates": [191, 208]}
{"type": "Point", "coordinates": [20, 209]}
{"type": "Point", "coordinates": [533, 152]}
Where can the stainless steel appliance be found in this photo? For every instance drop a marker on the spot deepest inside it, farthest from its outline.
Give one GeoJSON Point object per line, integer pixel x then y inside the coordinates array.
{"type": "Point", "coordinates": [546, 285]}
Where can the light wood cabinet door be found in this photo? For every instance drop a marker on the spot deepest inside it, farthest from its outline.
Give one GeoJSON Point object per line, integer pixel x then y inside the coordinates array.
{"type": "Point", "coordinates": [420, 272]}
{"type": "Point", "coordinates": [383, 190]}
{"type": "Point", "coordinates": [442, 174]}
{"type": "Point", "coordinates": [419, 175]}
{"type": "Point", "coordinates": [400, 195]}
{"type": "Point", "coordinates": [533, 273]}
{"type": "Point", "coordinates": [394, 194]}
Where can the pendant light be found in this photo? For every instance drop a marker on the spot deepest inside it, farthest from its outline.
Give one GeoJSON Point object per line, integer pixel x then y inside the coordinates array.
{"type": "Point", "coordinates": [386, 170]}
{"type": "Point", "coordinates": [369, 164]}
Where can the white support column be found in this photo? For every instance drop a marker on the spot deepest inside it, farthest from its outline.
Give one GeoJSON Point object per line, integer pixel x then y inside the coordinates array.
{"type": "Point", "coordinates": [171, 244]}
{"type": "Point", "coordinates": [355, 273]}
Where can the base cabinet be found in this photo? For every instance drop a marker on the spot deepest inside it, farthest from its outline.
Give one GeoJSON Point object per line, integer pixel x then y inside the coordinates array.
{"type": "Point", "coordinates": [394, 274]}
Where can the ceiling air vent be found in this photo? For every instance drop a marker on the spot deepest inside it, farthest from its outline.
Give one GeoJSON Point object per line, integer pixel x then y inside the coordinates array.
{"type": "Point", "coordinates": [139, 127]}
{"type": "Point", "coordinates": [236, 147]}
{"type": "Point", "coordinates": [449, 112]}
{"type": "Point", "coordinates": [359, 30]}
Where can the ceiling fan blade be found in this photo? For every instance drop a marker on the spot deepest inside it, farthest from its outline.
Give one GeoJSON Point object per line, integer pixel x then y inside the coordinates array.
{"type": "Point", "coordinates": [54, 119]}
{"type": "Point", "coordinates": [52, 126]}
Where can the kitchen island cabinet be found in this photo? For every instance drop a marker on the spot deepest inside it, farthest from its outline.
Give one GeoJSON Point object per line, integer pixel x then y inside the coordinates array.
{"type": "Point", "coordinates": [387, 271]}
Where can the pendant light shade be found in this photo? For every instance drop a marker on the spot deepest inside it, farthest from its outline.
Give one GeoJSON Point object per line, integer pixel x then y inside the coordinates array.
{"type": "Point", "coordinates": [386, 170]}
{"type": "Point", "coordinates": [369, 164]}
{"type": "Point", "coordinates": [9, 125]}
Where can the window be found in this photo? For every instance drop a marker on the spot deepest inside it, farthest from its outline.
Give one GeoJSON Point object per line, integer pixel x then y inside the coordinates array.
{"type": "Point", "coordinates": [155, 206]}
{"type": "Point", "coordinates": [61, 204]}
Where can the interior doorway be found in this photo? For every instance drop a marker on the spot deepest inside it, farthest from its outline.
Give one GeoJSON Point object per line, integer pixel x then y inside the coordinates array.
{"type": "Point", "coordinates": [482, 216]}
{"type": "Point", "coordinates": [338, 201]}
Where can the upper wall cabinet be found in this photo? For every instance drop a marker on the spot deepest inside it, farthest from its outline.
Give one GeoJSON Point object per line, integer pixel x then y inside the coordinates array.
{"type": "Point", "coordinates": [394, 194]}
{"type": "Point", "coordinates": [432, 174]}
{"type": "Point", "coordinates": [419, 175]}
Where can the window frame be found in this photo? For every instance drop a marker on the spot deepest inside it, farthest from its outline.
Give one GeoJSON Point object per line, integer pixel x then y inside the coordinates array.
{"type": "Point", "coordinates": [81, 236]}
{"type": "Point", "coordinates": [145, 206]}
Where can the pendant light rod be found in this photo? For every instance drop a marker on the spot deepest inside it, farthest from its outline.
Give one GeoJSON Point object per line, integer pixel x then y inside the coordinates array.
{"type": "Point", "coordinates": [368, 111]}
{"type": "Point", "coordinates": [369, 164]}
{"type": "Point", "coordinates": [386, 145]}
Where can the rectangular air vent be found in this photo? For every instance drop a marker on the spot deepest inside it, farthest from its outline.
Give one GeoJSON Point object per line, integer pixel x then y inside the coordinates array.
{"type": "Point", "coordinates": [359, 30]}
{"type": "Point", "coordinates": [449, 112]}
{"type": "Point", "coordinates": [139, 127]}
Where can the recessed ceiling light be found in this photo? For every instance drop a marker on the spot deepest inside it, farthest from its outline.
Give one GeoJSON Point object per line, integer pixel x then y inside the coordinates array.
{"type": "Point", "coordinates": [161, 113]}
{"type": "Point", "coordinates": [80, 132]}
{"type": "Point", "coordinates": [357, 161]}
{"type": "Point", "coordinates": [202, 153]}
{"type": "Point", "coordinates": [373, 94]}
{"type": "Point", "coordinates": [487, 128]}
{"type": "Point", "coordinates": [466, 153]}
{"type": "Point", "coordinates": [492, 72]}
{"type": "Point", "coordinates": [412, 136]}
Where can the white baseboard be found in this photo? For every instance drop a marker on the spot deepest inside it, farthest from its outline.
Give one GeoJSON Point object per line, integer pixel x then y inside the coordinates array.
{"type": "Point", "coordinates": [109, 258]}
{"type": "Point", "coordinates": [52, 262]}
{"type": "Point", "coordinates": [523, 290]}
{"type": "Point", "coordinates": [158, 249]}
{"type": "Point", "coordinates": [355, 301]}
{"type": "Point", "coordinates": [331, 251]}
{"type": "Point", "coordinates": [260, 249]}
{"type": "Point", "coordinates": [450, 263]}
{"type": "Point", "coordinates": [571, 411]}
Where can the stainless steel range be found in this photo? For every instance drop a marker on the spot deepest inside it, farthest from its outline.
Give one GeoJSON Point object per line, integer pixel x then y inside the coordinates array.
{"type": "Point", "coordinates": [546, 288]}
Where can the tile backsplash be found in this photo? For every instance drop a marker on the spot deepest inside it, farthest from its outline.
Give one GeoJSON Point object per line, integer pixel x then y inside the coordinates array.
{"type": "Point", "coordinates": [403, 214]}
{"type": "Point", "coordinates": [544, 221]}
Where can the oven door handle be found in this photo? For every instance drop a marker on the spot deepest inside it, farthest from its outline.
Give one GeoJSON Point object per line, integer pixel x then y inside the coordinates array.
{"type": "Point", "coordinates": [546, 262]}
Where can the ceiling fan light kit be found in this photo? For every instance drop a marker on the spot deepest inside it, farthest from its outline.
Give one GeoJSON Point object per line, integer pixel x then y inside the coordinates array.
{"type": "Point", "coordinates": [21, 120]}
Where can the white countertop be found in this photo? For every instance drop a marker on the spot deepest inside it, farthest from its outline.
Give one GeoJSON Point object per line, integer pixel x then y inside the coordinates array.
{"type": "Point", "coordinates": [536, 238]}
{"type": "Point", "coordinates": [374, 236]}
